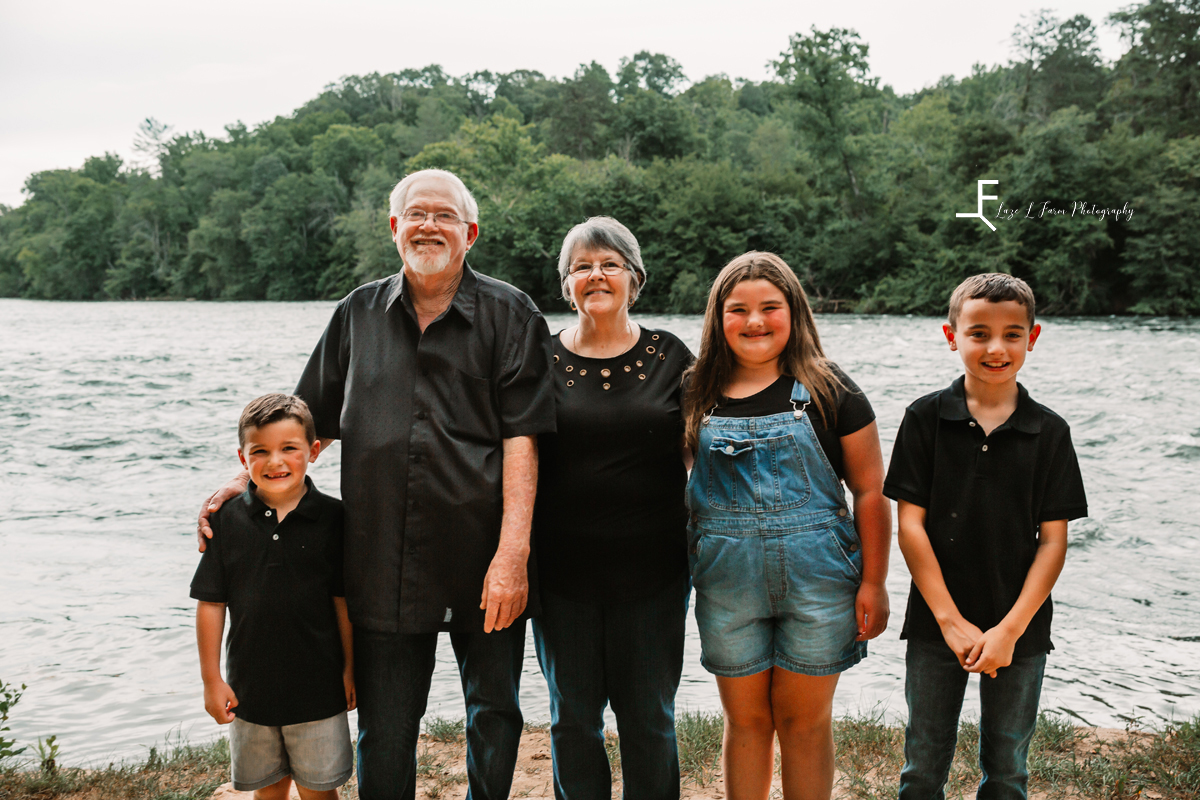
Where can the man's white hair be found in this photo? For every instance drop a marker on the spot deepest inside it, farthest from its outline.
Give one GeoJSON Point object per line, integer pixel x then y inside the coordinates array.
{"type": "Point", "coordinates": [468, 208]}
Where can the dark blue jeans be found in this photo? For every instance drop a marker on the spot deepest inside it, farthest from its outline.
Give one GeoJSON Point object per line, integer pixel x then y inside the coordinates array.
{"type": "Point", "coordinates": [934, 686]}
{"type": "Point", "coordinates": [629, 654]}
{"type": "Point", "coordinates": [392, 673]}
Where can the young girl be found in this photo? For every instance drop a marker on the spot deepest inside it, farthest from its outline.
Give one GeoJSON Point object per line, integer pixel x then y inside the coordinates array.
{"type": "Point", "coordinates": [789, 583]}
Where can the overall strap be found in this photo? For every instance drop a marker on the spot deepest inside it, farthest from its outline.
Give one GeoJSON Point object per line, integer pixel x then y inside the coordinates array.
{"type": "Point", "coordinates": [800, 399]}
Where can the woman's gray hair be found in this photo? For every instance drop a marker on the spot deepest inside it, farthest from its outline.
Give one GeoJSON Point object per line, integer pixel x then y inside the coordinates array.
{"type": "Point", "coordinates": [466, 201]}
{"type": "Point", "coordinates": [604, 232]}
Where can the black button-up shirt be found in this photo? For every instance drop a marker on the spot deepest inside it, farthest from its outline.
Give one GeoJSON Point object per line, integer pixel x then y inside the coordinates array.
{"type": "Point", "coordinates": [984, 498]}
{"type": "Point", "coordinates": [422, 417]}
{"type": "Point", "coordinates": [278, 581]}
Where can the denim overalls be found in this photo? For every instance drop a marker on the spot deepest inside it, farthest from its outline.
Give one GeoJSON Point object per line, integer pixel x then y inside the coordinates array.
{"type": "Point", "coordinates": [775, 559]}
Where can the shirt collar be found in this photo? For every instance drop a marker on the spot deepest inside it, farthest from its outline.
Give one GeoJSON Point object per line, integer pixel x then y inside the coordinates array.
{"type": "Point", "coordinates": [308, 507]}
{"type": "Point", "coordinates": [464, 295]}
{"type": "Point", "coordinates": [1027, 418]}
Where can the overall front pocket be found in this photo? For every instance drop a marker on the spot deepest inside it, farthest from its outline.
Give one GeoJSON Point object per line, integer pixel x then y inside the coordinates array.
{"type": "Point", "coordinates": [756, 474]}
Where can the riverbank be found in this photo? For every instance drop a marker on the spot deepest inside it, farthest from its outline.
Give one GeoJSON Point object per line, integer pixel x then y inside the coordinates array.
{"type": "Point", "coordinates": [1065, 762]}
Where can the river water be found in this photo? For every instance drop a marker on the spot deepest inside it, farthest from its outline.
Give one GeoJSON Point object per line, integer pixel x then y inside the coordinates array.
{"type": "Point", "coordinates": [117, 419]}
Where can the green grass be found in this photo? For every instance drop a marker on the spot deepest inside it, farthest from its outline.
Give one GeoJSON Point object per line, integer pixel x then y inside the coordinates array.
{"type": "Point", "coordinates": [441, 729]}
{"type": "Point", "coordinates": [699, 739]}
{"type": "Point", "coordinates": [179, 772]}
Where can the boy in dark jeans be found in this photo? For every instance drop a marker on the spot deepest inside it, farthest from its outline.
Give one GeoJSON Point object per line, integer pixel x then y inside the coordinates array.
{"type": "Point", "coordinates": [276, 561]}
{"type": "Point", "coordinates": [986, 480]}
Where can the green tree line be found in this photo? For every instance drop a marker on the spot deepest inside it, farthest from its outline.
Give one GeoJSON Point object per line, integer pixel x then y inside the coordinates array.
{"type": "Point", "coordinates": [853, 185]}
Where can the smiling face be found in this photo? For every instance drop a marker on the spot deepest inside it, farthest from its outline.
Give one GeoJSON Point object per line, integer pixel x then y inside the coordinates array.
{"type": "Point", "coordinates": [277, 456]}
{"type": "Point", "coordinates": [992, 339]}
{"type": "Point", "coordinates": [595, 293]}
{"type": "Point", "coordinates": [757, 323]}
{"type": "Point", "coordinates": [428, 248]}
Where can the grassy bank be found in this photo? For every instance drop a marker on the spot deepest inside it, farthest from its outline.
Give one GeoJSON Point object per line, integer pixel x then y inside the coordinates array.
{"type": "Point", "coordinates": [1065, 762]}
{"type": "Point", "coordinates": [176, 772]}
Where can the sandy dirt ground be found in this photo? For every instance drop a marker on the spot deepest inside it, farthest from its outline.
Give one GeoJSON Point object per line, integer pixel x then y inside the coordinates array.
{"type": "Point", "coordinates": [443, 768]}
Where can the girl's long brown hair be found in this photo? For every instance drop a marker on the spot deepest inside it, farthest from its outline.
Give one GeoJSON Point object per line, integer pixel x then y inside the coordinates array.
{"type": "Point", "coordinates": [802, 357]}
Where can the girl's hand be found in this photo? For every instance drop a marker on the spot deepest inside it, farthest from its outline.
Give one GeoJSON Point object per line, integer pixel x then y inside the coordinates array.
{"type": "Point", "coordinates": [871, 609]}
{"type": "Point", "coordinates": [219, 701]}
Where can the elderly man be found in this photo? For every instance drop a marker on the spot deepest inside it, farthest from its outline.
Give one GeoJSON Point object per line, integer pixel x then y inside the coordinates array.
{"type": "Point", "coordinates": [437, 381]}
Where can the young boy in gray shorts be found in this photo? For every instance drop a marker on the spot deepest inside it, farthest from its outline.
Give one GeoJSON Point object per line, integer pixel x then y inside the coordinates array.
{"type": "Point", "coordinates": [275, 560]}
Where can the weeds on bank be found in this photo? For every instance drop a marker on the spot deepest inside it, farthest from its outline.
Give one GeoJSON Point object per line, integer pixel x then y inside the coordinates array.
{"type": "Point", "coordinates": [179, 772]}
{"type": "Point", "coordinates": [1064, 761]}
{"type": "Point", "coordinates": [698, 736]}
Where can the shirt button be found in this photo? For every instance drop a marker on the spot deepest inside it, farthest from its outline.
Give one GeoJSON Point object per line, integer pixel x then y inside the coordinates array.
{"type": "Point", "coordinates": [421, 415]}
{"type": "Point", "coordinates": [854, 548]}
{"type": "Point", "coordinates": [268, 513]}
{"type": "Point", "coordinates": [972, 423]}
{"type": "Point", "coordinates": [954, 514]}
{"type": "Point", "coordinates": [276, 536]}
{"type": "Point", "coordinates": [841, 512]}
{"type": "Point", "coordinates": [985, 448]}
{"type": "Point", "coordinates": [729, 449]}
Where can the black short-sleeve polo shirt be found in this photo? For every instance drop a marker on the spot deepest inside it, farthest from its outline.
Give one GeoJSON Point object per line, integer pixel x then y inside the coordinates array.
{"type": "Point", "coordinates": [984, 498]}
{"type": "Point", "coordinates": [422, 417]}
{"type": "Point", "coordinates": [278, 581]}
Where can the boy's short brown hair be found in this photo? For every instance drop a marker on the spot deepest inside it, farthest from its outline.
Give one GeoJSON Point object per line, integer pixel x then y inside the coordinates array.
{"type": "Point", "coordinates": [272, 408]}
{"type": "Point", "coordinates": [995, 287]}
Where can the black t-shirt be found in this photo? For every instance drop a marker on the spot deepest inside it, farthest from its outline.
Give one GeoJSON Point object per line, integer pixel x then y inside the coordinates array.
{"type": "Point", "coordinates": [854, 412]}
{"type": "Point", "coordinates": [610, 521]}
{"type": "Point", "coordinates": [984, 498]}
{"type": "Point", "coordinates": [278, 581]}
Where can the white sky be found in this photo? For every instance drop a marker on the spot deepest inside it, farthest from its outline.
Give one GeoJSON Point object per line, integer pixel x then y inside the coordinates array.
{"type": "Point", "coordinates": [76, 78]}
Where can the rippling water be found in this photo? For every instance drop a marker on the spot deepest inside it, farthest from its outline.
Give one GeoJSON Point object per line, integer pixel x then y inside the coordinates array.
{"type": "Point", "coordinates": [118, 418]}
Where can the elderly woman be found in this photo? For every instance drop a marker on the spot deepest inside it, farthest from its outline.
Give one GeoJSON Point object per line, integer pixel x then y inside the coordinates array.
{"type": "Point", "coordinates": [609, 528]}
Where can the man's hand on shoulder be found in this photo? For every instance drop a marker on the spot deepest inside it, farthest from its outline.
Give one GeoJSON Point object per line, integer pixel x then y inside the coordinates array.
{"type": "Point", "coordinates": [216, 500]}
{"type": "Point", "coordinates": [505, 590]}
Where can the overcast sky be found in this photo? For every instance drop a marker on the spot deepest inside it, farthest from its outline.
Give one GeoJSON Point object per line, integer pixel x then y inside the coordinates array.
{"type": "Point", "coordinates": [76, 78]}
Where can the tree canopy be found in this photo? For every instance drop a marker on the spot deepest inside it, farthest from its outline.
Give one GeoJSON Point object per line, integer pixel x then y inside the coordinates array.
{"type": "Point", "coordinates": [853, 185]}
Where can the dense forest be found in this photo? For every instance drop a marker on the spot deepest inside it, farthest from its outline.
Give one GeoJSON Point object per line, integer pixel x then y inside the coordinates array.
{"type": "Point", "coordinates": [855, 186]}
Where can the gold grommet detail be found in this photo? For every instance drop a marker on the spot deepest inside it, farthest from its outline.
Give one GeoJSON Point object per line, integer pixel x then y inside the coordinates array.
{"type": "Point", "coordinates": [662, 356]}
{"type": "Point", "coordinates": [628, 369]}
{"type": "Point", "coordinates": [641, 377]}
{"type": "Point", "coordinates": [649, 349]}
{"type": "Point", "coordinates": [604, 373]}
{"type": "Point", "coordinates": [570, 383]}
{"type": "Point", "coordinates": [607, 386]}
{"type": "Point", "coordinates": [655, 337]}
{"type": "Point", "coordinates": [639, 363]}
{"type": "Point", "coordinates": [582, 372]}
{"type": "Point", "coordinates": [570, 369]}
{"type": "Point", "coordinates": [556, 359]}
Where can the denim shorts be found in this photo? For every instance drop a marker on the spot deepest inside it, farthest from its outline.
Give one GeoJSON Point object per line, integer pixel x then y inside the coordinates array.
{"type": "Point", "coordinates": [780, 597]}
{"type": "Point", "coordinates": [316, 754]}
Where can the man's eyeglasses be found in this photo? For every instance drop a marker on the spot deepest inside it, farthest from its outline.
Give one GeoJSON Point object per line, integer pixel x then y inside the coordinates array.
{"type": "Point", "coordinates": [609, 268]}
{"type": "Point", "coordinates": [440, 218]}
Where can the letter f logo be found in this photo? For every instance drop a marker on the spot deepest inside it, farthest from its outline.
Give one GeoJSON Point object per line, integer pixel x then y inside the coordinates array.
{"type": "Point", "coordinates": [982, 197]}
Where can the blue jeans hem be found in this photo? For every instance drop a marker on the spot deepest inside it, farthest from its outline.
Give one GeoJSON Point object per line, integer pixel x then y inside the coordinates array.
{"type": "Point", "coordinates": [792, 665]}
{"type": "Point", "coordinates": [752, 668]}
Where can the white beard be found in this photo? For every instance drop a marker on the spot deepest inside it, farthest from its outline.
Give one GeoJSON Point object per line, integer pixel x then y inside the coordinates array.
{"type": "Point", "coordinates": [426, 265]}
